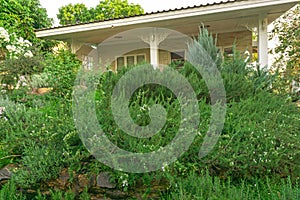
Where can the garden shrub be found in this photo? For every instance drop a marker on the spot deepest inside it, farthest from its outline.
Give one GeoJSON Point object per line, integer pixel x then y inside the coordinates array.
{"type": "Point", "coordinates": [40, 163]}
{"type": "Point", "coordinates": [139, 105]}
{"type": "Point", "coordinates": [16, 72]}
{"type": "Point", "coordinates": [243, 80]}
{"type": "Point", "coordinates": [260, 138]}
{"type": "Point", "coordinates": [18, 60]}
{"type": "Point", "coordinates": [62, 69]}
{"type": "Point", "coordinates": [40, 139]}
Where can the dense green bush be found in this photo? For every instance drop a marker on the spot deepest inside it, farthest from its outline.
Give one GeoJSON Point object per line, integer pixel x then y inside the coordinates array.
{"type": "Point", "coordinates": [39, 137]}
{"type": "Point", "coordinates": [260, 138]}
{"type": "Point", "coordinates": [62, 69]}
{"type": "Point", "coordinates": [40, 163]}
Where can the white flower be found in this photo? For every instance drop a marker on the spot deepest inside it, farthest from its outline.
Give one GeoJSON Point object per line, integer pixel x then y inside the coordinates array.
{"type": "Point", "coordinates": [28, 54]}
{"type": "Point", "coordinates": [2, 109]}
{"type": "Point", "coordinates": [27, 43]}
{"type": "Point", "coordinates": [18, 50]}
{"type": "Point", "coordinates": [11, 48]}
{"type": "Point", "coordinates": [4, 35]}
{"type": "Point", "coordinates": [163, 168]}
{"type": "Point", "coordinates": [22, 82]}
{"type": "Point", "coordinates": [20, 40]}
{"type": "Point", "coordinates": [125, 183]}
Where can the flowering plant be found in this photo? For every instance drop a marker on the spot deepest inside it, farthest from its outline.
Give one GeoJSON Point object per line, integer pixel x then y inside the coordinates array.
{"type": "Point", "coordinates": [14, 46]}
{"type": "Point", "coordinates": [4, 39]}
{"type": "Point", "coordinates": [17, 62]}
{"type": "Point", "coordinates": [4, 35]}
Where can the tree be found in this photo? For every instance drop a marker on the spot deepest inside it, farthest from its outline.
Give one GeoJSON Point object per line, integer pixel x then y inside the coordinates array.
{"type": "Point", "coordinates": [287, 31]}
{"type": "Point", "coordinates": [107, 9]}
{"type": "Point", "coordinates": [110, 9]}
{"type": "Point", "coordinates": [72, 14]}
{"type": "Point", "coordinates": [23, 17]}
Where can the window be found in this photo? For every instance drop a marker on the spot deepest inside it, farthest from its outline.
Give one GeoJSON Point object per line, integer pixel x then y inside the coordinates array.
{"type": "Point", "coordinates": [228, 51]}
{"type": "Point", "coordinates": [140, 59]}
{"type": "Point", "coordinates": [120, 62]}
{"type": "Point", "coordinates": [178, 58]}
{"type": "Point", "coordinates": [130, 60]}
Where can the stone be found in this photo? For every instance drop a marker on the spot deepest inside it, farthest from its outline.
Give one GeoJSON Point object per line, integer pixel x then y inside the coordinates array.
{"type": "Point", "coordinates": [5, 174]}
{"type": "Point", "coordinates": [116, 194]}
{"type": "Point", "coordinates": [104, 180]}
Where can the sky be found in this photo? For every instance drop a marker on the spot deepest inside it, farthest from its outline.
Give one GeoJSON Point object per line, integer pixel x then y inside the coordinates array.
{"type": "Point", "coordinates": [148, 5]}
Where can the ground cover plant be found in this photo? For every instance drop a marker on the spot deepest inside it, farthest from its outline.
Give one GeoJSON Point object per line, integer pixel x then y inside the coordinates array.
{"type": "Point", "coordinates": [256, 157]}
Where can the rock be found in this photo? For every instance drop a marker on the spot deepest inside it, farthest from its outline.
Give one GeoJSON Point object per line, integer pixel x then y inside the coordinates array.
{"type": "Point", "coordinates": [93, 180]}
{"type": "Point", "coordinates": [99, 197]}
{"type": "Point", "coordinates": [116, 194]}
{"type": "Point", "coordinates": [5, 173]}
{"type": "Point", "coordinates": [40, 91]}
{"type": "Point", "coordinates": [104, 180]}
{"type": "Point", "coordinates": [106, 193]}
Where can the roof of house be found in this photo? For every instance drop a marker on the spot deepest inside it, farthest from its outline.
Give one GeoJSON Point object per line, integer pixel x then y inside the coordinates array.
{"type": "Point", "coordinates": [148, 13]}
{"type": "Point", "coordinates": [220, 16]}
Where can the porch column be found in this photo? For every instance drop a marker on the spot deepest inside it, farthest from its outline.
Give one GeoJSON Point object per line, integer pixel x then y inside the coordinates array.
{"type": "Point", "coordinates": [263, 41]}
{"type": "Point", "coordinates": [154, 39]}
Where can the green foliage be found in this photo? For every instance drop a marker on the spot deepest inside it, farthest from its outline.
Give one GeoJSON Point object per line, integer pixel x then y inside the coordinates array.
{"type": "Point", "coordinates": [208, 43]}
{"type": "Point", "coordinates": [107, 9]}
{"type": "Point", "coordinates": [242, 80]}
{"type": "Point", "coordinates": [56, 195]}
{"type": "Point", "coordinates": [39, 80]}
{"type": "Point", "coordinates": [43, 139]}
{"type": "Point", "coordinates": [203, 186]}
{"type": "Point", "coordinates": [260, 138]}
{"type": "Point", "coordinates": [40, 163]}
{"type": "Point", "coordinates": [72, 14]}
{"type": "Point", "coordinates": [23, 17]}
{"type": "Point", "coordinates": [287, 30]}
{"type": "Point", "coordinates": [140, 103]}
{"type": "Point", "coordinates": [20, 61]}
{"type": "Point", "coordinates": [62, 70]}
{"type": "Point", "coordinates": [84, 195]}
{"type": "Point", "coordinates": [9, 191]}
{"type": "Point", "coordinates": [14, 70]}
{"type": "Point", "coordinates": [110, 9]}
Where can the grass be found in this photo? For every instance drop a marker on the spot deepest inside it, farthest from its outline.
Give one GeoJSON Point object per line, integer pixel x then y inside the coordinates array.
{"type": "Point", "coordinates": [206, 187]}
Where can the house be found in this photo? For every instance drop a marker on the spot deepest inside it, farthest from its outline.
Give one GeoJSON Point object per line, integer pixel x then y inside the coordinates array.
{"type": "Point", "coordinates": [160, 37]}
